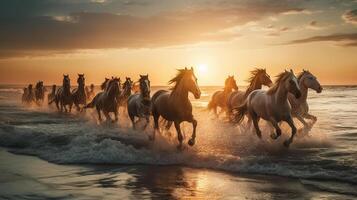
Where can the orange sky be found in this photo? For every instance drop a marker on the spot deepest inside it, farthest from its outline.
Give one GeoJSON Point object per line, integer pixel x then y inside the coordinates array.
{"type": "Point", "coordinates": [217, 38]}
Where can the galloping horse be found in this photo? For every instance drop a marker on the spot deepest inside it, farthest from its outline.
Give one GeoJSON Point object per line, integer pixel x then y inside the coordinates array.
{"type": "Point", "coordinates": [124, 96]}
{"type": "Point", "coordinates": [79, 95]}
{"type": "Point", "coordinates": [39, 92]}
{"type": "Point", "coordinates": [139, 104]}
{"type": "Point", "coordinates": [219, 98]}
{"type": "Point", "coordinates": [106, 100]}
{"type": "Point", "coordinates": [175, 105]}
{"type": "Point", "coordinates": [51, 96]}
{"type": "Point", "coordinates": [28, 96]}
{"type": "Point", "coordinates": [299, 106]}
{"type": "Point", "coordinates": [272, 105]}
{"type": "Point", "coordinates": [258, 78]}
{"type": "Point", "coordinates": [64, 96]}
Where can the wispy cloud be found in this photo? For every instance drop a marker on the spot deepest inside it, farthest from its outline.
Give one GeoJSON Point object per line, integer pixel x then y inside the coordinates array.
{"type": "Point", "coordinates": [350, 16]}
{"type": "Point", "coordinates": [343, 39]}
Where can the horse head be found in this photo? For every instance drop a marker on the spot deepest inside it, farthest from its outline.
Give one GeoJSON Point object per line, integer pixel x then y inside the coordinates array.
{"type": "Point", "coordinates": [230, 83]}
{"type": "Point", "coordinates": [113, 88]}
{"type": "Point", "coordinates": [144, 84]}
{"type": "Point", "coordinates": [66, 81]}
{"type": "Point", "coordinates": [186, 80]}
{"type": "Point", "coordinates": [264, 78]}
{"type": "Point", "coordinates": [81, 79]}
{"type": "Point", "coordinates": [291, 83]}
{"type": "Point", "coordinates": [308, 80]}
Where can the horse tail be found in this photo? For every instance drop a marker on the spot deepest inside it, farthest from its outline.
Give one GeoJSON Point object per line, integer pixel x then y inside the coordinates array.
{"type": "Point", "coordinates": [240, 111]}
{"type": "Point", "coordinates": [92, 103]}
{"type": "Point", "coordinates": [210, 105]}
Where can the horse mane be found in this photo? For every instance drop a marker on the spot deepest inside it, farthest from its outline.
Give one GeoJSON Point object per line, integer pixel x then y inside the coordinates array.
{"type": "Point", "coordinates": [177, 79]}
{"type": "Point", "coordinates": [253, 75]}
{"type": "Point", "coordinates": [301, 74]}
{"type": "Point", "coordinates": [280, 78]}
{"type": "Point", "coordinates": [104, 84]}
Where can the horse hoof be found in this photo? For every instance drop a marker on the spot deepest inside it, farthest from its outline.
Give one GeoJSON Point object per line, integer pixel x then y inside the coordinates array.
{"type": "Point", "coordinates": [191, 142]}
{"type": "Point", "coordinates": [287, 143]}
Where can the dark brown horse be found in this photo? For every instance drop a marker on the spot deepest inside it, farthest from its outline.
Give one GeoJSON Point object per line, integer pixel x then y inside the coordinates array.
{"type": "Point", "coordinates": [63, 96]}
{"type": "Point", "coordinates": [219, 98]}
{"type": "Point", "coordinates": [29, 95]}
{"type": "Point", "coordinates": [39, 92]}
{"type": "Point", "coordinates": [79, 95]}
{"type": "Point", "coordinates": [106, 100]}
{"type": "Point", "coordinates": [258, 78]}
{"type": "Point", "coordinates": [175, 105]}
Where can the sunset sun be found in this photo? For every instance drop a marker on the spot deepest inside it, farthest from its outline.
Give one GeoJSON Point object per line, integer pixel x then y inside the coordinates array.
{"type": "Point", "coordinates": [202, 69]}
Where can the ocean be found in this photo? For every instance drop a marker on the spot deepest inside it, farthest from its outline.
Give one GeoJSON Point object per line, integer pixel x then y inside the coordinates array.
{"type": "Point", "coordinates": [45, 154]}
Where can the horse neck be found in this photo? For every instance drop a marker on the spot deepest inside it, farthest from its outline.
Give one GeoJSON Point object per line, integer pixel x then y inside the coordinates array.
{"type": "Point", "coordinates": [254, 85]}
{"type": "Point", "coordinates": [81, 87]}
{"type": "Point", "coordinates": [110, 93]}
{"type": "Point", "coordinates": [227, 89]}
{"type": "Point", "coordinates": [281, 95]}
{"type": "Point", "coordinates": [67, 88]}
{"type": "Point", "coordinates": [179, 93]}
{"type": "Point", "coordinates": [303, 90]}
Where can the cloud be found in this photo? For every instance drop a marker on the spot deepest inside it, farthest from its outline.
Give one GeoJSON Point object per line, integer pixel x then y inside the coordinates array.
{"type": "Point", "coordinates": [314, 25]}
{"type": "Point", "coordinates": [91, 30]}
{"type": "Point", "coordinates": [350, 16]}
{"type": "Point", "coordinates": [343, 39]}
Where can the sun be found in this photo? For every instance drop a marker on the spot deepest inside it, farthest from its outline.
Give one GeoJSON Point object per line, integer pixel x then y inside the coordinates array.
{"type": "Point", "coordinates": [202, 69]}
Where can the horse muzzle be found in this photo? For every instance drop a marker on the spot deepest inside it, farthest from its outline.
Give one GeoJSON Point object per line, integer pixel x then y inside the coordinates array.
{"type": "Point", "coordinates": [319, 90]}
{"type": "Point", "coordinates": [197, 95]}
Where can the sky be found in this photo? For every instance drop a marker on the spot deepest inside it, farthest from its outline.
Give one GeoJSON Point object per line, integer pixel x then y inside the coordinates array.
{"type": "Point", "coordinates": [41, 40]}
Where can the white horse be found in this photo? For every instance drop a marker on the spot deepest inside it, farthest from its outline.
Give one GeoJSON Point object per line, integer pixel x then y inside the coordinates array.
{"type": "Point", "coordinates": [272, 105]}
{"type": "Point", "coordinates": [299, 106]}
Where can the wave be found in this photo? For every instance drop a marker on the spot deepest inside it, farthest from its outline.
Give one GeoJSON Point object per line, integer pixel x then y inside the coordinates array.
{"type": "Point", "coordinates": [108, 145]}
{"type": "Point", "coordinates": [16, 90]}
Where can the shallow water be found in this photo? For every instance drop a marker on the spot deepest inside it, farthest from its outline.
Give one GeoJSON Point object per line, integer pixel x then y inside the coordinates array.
{"type": "Point", "coordinates": [119, 162]}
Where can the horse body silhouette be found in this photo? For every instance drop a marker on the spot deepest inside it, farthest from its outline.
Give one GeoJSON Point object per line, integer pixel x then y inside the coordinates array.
{"type": "Point", "coordinates": [272, 105]}
{"type": "Point", "coordinates": [219, 98]}
{"type": "Point", "coordinates": [139, 104]}
{"type": "Point", "coordinates": [107, 100]}
{"type": "Point", "coordinates": [79, 94]}
{"type": "Point", "coordinates": [51, 96]}
{"type": "Point", "coordinates": [39, 93]}
{"type": "Point", "coordinates": [299, 106]}
{"type": "Point", "coordinates": [175, 105]}
{"type": "Point", "coordinates": [126, 92]}
{"type": "Point", "coordinates": [258, 78]}
{"type": "Point", "coordinates": [28, 96]}
{"type": "Point", "coordinates": [63, 96]}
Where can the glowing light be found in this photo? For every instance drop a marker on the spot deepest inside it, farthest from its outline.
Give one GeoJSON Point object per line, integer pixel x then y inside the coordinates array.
{"type": "Point", "coordinates": [202, 69]}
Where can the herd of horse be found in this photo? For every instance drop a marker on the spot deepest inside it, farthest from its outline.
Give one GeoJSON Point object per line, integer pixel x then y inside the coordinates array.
{"type": "Point", "coordinates": [284, 100]}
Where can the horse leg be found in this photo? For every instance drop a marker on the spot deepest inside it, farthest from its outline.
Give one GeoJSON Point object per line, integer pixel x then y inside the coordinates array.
{"type": "Point", "coordinates": [147, 118]}
{"type": "Point", "coordinates": [311, 117]}
{"type": "Point", "coordinates": [277, 128]}
{"type": "Point", "coordinates": [301, 119]}
{"type": "Point", "coordinates": [215, 111]}
{"type": "Point", "coordinates": [179, 134]}
{"type": "Point", "coordinates": [99, 114]}
{"type": "Point", "coordinates": [132, 118]}
{"type": "Point", "coordinates": [191, 142]}
{"type": "Point", "coordinates": [255, 119]}
{"type": "Point", "coordinates": [293, 132]}
{"type": "Point", "coordinates": [107, 116]}
{"type": "Point", "coordinates": [70, 107]}
{"type": "Point", "coordinates": [116, 114]}
{"type": "Point", "coordinates": [168, 125]}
